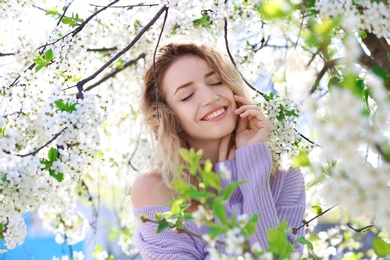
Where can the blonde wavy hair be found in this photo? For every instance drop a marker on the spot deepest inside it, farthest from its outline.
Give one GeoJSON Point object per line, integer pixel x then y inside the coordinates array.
{"type": "Point", "coordinates": [163, 123]}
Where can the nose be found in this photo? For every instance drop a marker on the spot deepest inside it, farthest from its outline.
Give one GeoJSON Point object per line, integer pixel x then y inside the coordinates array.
{"type": "Point", "coordinates": [208, 95]}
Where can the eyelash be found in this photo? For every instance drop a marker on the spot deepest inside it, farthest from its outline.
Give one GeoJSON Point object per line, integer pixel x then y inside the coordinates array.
{"type": "Point", "coordinates": [188, 97]}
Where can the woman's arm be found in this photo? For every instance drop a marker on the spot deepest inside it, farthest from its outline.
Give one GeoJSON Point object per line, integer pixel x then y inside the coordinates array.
{"type": "Point", "coordinates": [150, 196]}
{"type": "Point", "coordinates": [284, 198]}
{"type": "Point", "coordinates": [169, 244]}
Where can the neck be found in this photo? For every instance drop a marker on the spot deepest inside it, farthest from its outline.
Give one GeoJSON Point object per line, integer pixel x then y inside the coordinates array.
{"type": "Point", "coordinates": [210, 149]}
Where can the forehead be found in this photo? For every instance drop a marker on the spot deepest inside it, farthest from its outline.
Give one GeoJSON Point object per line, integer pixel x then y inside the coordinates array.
{"type": "Point", "coordinates": [184, 69]}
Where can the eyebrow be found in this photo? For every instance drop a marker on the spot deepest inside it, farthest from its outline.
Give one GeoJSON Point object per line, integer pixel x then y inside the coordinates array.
{"type": "Point", "coordinates": [190, 83]}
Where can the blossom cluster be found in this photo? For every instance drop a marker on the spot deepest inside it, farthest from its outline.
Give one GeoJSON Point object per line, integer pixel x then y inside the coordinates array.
{"type": "Point", "coordinates": [373, 16]}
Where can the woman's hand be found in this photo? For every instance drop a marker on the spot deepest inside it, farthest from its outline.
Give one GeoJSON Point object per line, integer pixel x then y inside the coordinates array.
{"type": "Point", "coordinates": [253, 126]}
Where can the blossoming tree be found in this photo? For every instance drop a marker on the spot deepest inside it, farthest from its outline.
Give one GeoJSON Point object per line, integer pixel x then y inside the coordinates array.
{"type": "Point", "coordinates": [70, 79]}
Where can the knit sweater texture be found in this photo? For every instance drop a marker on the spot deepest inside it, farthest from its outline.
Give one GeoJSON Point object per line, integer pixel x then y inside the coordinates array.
{"type": "Point", "coordinates": [283, 197]}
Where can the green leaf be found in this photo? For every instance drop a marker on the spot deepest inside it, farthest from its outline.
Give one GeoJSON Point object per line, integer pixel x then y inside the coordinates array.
{"type": "Point", "coordinates": [301, 160]}
{"type": "Point", "coordinates": [219, 210]}
{"type": "Point", "coordinates": [278, 243]}
{"type": "Point", "coordinates": [46, 163]}
{"type": "Point", "coordinates": [310, 3]}
{"type": "Point", "coordinates": [211, 179]}
{"type": "Point", "coordinates": [67, 20]}
{"type": "Point", "coordinates": [59, 176]}
{"type": "Point", "coordinates": [181, 186]}
{"type": "Point", "coordinates": [280, 117]}
{"type": "Point", "coordinates": [100, 155]}
{"type": "Point", "coordinates": [2, 129]}
{"type": "Point", "coordinates": [388, 56]}
{"type": "Point", "coordinates": [162, 226]}
{"type": "Point", "coordinates": [380, 73]}
{"type": "Point", "coordinates": [251, 225]}
{"type": "Point", "coordinates": [53, 11]}
{"type": "Point", "coordinates": [216, 231]}
{"type": "Point", "coordinates": [38, 68]}
{"type": "Point", "coordinates": [291, 113]}
{"type": "Point", "coordinates": [304, 241]}
{"type": "Point", "coordinates": [49, 55]}
{"type": "Point", "coordinates": [380, 247]}
{"type": "Point", "coordinates": [73, 107]}
{"type": "Point", "coordinates": [176, 205]}
{"type": "Point", "coordinates": [60, 104]}
{"type": "Point", "coordinates": [230, 188]}
{"type": "Point", "coordinates": [362, 34]}
{"type": "Point", "coordinates": [2, 227]}
{"type": "Point", "coordinates": [52, 154]}
{"type": "Point", "coordinates": [39, 62]}
{"type": "Point", "coordinates": [317, 209]}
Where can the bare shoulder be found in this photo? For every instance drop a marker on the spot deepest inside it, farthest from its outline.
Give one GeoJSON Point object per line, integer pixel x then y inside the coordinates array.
{"type": "Point", "coordinates": [149, 190]}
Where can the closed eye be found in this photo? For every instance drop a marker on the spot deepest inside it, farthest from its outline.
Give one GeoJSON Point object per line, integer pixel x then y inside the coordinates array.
{"type": "Point", "coordinates": [217, 83]}
{"type": "Point", "coordinates": [187, 97]}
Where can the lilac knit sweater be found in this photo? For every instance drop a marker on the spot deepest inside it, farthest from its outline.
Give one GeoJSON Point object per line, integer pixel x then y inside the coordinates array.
{"type": "Point", "coordinates": [283, 197]}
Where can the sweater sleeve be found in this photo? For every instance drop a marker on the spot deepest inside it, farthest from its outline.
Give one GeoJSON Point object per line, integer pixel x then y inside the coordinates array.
{"type": "Point", "coordinates": [169, 244]}
{"type": "Point", "coordinates": [285, 198]}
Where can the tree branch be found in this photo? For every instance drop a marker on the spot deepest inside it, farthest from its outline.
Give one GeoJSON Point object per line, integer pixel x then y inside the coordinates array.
{"type": "Point", "coordinates": [379, 49]}
{"type": "Point", "coordinates": [81, 83]}
{"type": "Point", "coordinates": [43, 146]}
{"type": "Point", "coordinates": [116, 71]}
{"type": "Point", "coordinates": [102, 49]}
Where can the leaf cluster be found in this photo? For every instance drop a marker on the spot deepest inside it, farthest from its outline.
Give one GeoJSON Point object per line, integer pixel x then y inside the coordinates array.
{"type": "Point", "coordinates": [43, 61]}
{"type": "Point", "coordinates": [52, 157]}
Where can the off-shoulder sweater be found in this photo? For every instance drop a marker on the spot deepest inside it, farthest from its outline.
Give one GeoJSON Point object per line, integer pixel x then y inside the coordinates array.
{"type": "Point", "coordinates": [283, 197]}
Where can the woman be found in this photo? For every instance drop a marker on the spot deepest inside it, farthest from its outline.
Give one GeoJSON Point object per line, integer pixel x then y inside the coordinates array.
{"type": "Point", "coordinates": [194, 98]}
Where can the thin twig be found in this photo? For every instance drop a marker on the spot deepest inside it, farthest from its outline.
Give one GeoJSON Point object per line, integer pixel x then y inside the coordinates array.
{"type": "Point", "coordinates": [7, 54]}
{"type": "Point", "coordinates": [306, 223]}
{"type": "Point", "coordinates": [327, 66]}
{"type": "Point", "coordinates": [43, 146]}
{"type": "Point", "coordinates": [82, 82]}
{"type": "Point", "coordinates": [234, 63]}
{"type": "Point", "coordinates": [128, 6]}
{"type": "Point", "coordinates": [307, 139]}
{"type": "Point", "coordinates": [80, 27]}
{"type": "Point", "coordinates": [181, 230]}
{"type": "Point", "coordinates": [299, 33]}
{"type": "Point", "coordinates": [380, 150]}
{"type": "Point", "coordinates": [363, 229]}
{"type": "Point", "coordinates": [135, 150]}
{"type": "Point", "coordinates": [155, 52]}
{"type": "Point", "coordinates": [63, 14]}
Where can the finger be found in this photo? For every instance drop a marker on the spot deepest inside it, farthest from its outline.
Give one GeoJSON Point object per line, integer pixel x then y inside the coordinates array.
{"type": "Point", "coordinates": [254, 113]}
{"type": "Point", "coordinates": [223, 148]}
{"type": "Point", "coordinates": [246, 107]}
{"type": "Point", "coordinates": [242, 100]}
{"type": "Point", "coordinates": [242, 124]}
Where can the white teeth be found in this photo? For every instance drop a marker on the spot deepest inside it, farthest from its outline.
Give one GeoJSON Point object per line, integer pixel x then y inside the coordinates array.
{"type": "Point", "coordinates": [215, 114]}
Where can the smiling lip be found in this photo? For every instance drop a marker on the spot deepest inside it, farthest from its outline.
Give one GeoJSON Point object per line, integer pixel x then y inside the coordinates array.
{"type": "Point", "coordinates": [215, 114]}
